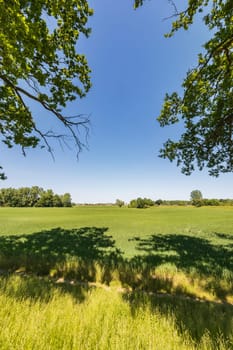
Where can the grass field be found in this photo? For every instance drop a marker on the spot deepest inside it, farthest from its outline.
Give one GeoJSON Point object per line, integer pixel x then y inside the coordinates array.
{"type": "Point", "coordinates": [116, 278]}
{"type": "Point", "coordinates": [123, 223]}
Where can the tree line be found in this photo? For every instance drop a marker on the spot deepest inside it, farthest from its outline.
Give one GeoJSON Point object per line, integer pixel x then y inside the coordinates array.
{"type": "Point", "coordinates": [33, 197]}
{"type": "Point", "coordinates": [141, 203]}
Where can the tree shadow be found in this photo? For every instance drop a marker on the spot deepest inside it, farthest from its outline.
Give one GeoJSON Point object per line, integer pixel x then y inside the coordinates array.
{"type": "Point", "coordinates": [187, 251]}
{"type": "Point", "coordinates": [195, 317]}
{"type": "Point", "coordinates": [35, 288]}
{"type": "Point", "coordinates": [67, 259]}
{"type": "Point", "coordinates": [190, 254]}
{"type": "Point", "coordinates": [76, 257]}
{"type": "Point", "coordinates": [58, 248]}
{"type": "Point", "coordinates": [154, 279]}
{"type": "Point", "coordinates": [225, 236]}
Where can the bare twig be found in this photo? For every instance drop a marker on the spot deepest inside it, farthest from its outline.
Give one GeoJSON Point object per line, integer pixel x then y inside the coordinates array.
{"type": "Point", "coordinates": [72, 123]}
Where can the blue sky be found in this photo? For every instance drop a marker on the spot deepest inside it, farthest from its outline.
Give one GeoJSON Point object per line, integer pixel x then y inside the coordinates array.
{"type": "Point", "coordinates": [133, 66]}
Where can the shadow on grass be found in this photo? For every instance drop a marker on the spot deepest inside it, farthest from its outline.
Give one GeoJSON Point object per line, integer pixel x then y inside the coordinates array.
{"type": "Point", "coordinates": [46, 261]}
{"type": "Point", "coordinates": [187, 252]}
{"type": "Point", "coordinates": [198, 318]}
{"type": "Point", "coordinates": [224, 236]}
{"type": "Point", "coordinates": [58, 251]}
{"type": "Point", "coordinates": [34, 288]}
{"type": "Point", "coordinates": [89, 255]}
{"type": "Point", "coordinates": [162, 258]}
{"type": "Point", "coordinates": [195, 256]}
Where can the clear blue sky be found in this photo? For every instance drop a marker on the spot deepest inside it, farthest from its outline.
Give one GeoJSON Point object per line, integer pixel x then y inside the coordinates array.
{"type": "Point", "coordinates": [133, 66]}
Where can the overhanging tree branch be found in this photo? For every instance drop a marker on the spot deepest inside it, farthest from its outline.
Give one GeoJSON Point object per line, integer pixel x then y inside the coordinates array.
{"type": "Point", "coordinates": [45, 59]}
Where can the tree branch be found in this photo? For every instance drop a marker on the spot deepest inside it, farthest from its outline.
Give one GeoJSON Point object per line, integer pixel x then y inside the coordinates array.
{"type": "Point", "coordinates": [69, 122]}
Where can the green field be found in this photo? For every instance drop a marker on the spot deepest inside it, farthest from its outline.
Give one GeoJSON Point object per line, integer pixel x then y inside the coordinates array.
{"type": "Point", "coordinates": [116, 278]}
{"type": "Point", "coordinates": [123, 223]}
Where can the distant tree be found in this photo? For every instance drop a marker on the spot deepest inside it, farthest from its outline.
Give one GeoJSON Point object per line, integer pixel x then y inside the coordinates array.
{"type": "Point", "coordinates": [57, 201]}
{"type": "Point", "coordinates": [148, 202]}
{"type": "Point", "coordinates": [9, 197]}
{"type": "Point", "coordinates": [196, 195]}
{"type": "Point", "coordinates": [46, 199]}
{"type": "Point", "coordinates": [66, 200]}
{"type": "Point", "coordinates": [35, 194]}
{"type": "Point", "coordinates": [196, 198]}
{"type": "Point", "coordinates": [226, 201]}
{"type": "Point", "coordinates": [211, 202]}
{"type": "Point", "coordinates": [32, 197]}
{"type": "Point", "coordinates": [198, 203]}
{"type": "Point", "coordinates": [120, 203]}
{"type": "Point", "coordinates": [133, 203]}
{"type": "Point", "coordinates": [159, 201]}
{"type": "Point", "coordinates": [141, 203]}
{"type": "Point", "coordinates": [24, 196]}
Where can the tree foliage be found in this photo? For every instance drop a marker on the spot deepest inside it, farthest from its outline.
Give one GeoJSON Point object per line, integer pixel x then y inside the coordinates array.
{"type": "Point", "coordinates": [119, 203]}
{"type": "Point", "coordinates": [33, 197]}
{"type": "Point", "coordinates": [206, 105]}
{"type": "Point", "coordinates": [196, 198]}
{"type": "Point", "coordinates": [196, 195]}
{"type": "Point", "coordinates": [39, 63]}
{"type": "Point", "coordinates": [141, 203]}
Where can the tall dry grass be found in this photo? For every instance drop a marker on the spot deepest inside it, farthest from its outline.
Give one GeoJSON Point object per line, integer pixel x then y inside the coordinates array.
{"type": "Point", "coordinates": [38, 314]}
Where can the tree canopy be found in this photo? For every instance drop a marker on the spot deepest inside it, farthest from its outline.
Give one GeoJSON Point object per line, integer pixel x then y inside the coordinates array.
{"type": "Point", "coordinates": [39, 62]}
{"type": "Point", "coordinates": [206, 105]}
{"type": "Point", "coordinates": [33, 197]}
{"type": "Point", "coordinates": [196, 195]}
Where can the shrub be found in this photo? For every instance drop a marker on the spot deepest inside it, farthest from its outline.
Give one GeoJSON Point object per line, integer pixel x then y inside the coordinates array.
{"type": "Point", "coordinates": [141, 203]}
{"type": "Point", "coordinates": [198, 203]}
{"type": "Point", "coordinates": [120, 203]}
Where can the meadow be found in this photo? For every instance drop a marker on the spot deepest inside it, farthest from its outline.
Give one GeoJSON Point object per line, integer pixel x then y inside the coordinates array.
{"type": "Point", "coordinates": [92, 277]}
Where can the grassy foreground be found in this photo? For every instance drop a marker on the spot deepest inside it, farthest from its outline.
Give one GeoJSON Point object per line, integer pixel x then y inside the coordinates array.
{"type": "Point", "coordinates": [38, 314]}
{"type": "Point", "coordinates": [116, 278]}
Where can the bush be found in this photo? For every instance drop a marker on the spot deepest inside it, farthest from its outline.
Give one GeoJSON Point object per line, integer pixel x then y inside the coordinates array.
{"type": "Point", "coordinates": [211, 202]}
{"type": "Point", "coordinates": [120, 203]}
{"type": "Point", "coordinates": [198, 203]}
{"type": "Point", "coordinates": [141, 203]}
